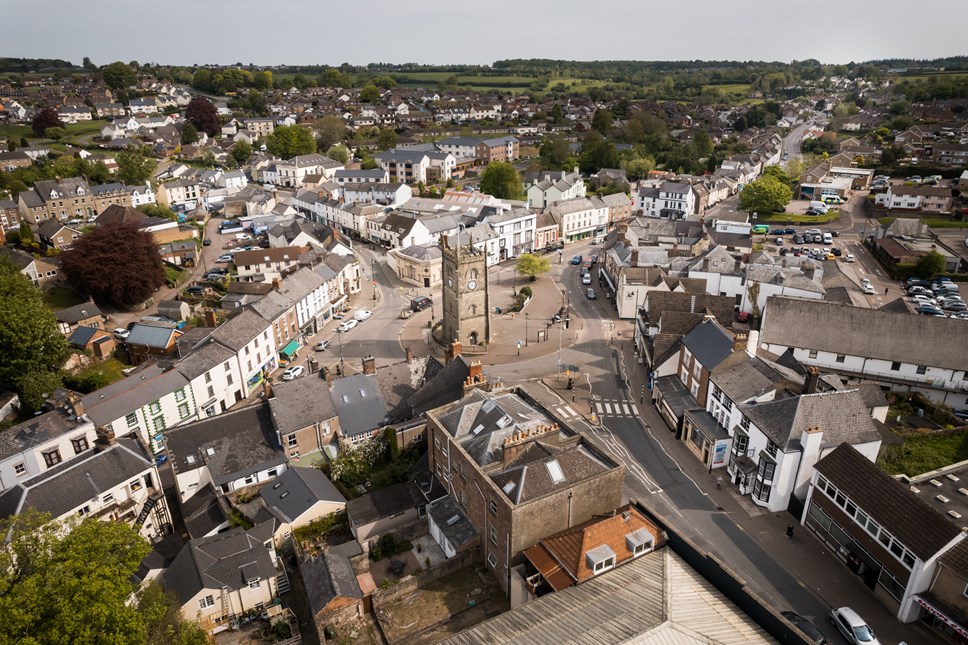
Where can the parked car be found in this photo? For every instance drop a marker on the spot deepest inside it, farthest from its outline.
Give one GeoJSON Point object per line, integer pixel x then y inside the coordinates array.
{"type": "Point", "coordinates": [293, 372]}
{"type": "Point", "coordinates": [743, 316]}
{"type": "Point", "coordinates": [868, 289]}
{"type": "Point", "coordinates": [576, 260]}
{"type": "Point", "coordinates": [778, 241]}
{"type": "Point", "coordinates": [121, 333]}
{"type": "Point", "coordinates": [207, 242]}
{"type": "Point", "coordinates": [854, 628]}
{"type": "Point", "coordinates": [805, 626]}
{"type": "Point", "coordinates": [813, 211]}
{"type": "Point", "coordinates": [362, 315]}
{"type": "Point", "coordinates": [789, 231]}
{"type": "Point", "coordinates": [594, 259]}
{"type": "Point", "coordinates": [798, 239]}
{"type": "Point", "coordinates": [420, 303]}
{"type": "Point", "coordinates": [590, 294]}
{"type": "Point", "coordinates": [322, 345]}
{"type": "Point", "coordinates": [224, 258]}
{"type": "Point", "coordinates": [195, 290]}
{"type": "Point", "coordinates": [778, 231]}
{"type": "Point", "coordinates": [929, 310]}
{"type": "Point", "coordinates": [212, 276]}
{"type": "Point", "coordinates": [160, 459]}
{"type": "Point", "coordinates": [347, 325]}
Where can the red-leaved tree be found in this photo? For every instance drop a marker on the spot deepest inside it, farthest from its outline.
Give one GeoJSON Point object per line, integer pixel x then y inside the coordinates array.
{"type": "Point", "coordinates": [46, 118]}
{"type": "Point", "coordinates": [115, 263]}
{"type": "Point", "coordinates": [203, 115]}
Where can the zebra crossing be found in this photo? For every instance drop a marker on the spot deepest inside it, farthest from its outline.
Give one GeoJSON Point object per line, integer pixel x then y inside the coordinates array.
{"type": "Point", "coordinates": [566, 412]}
{"type": "Point", "coordinates": [615, 408]}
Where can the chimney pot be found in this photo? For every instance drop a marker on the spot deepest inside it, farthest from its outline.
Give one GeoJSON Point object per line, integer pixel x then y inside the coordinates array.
{"type": "Point", "coordinates": [369, 365]}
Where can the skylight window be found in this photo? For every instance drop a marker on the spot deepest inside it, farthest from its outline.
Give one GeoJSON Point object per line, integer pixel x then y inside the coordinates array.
{"type": "Point", "coordinates": [453, 519]}
{"type": "Point", "coordinates": [477, 429]}
{"type": "Point", "coordinates": [554, 471]}
{"type": "Point", "coordinates": [508, 487]}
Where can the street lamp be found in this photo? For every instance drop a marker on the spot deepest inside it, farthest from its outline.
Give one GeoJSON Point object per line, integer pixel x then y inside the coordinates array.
{"type": "Point", "coordinates": [342, 367]}
{"type": "Point", "coordinates": [526, 329]}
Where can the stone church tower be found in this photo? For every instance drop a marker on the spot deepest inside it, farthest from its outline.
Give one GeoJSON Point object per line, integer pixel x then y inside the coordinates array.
{"type": "Point", "coordinates": [466, 312]}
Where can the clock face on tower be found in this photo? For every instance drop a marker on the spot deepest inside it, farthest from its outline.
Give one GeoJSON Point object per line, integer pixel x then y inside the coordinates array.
{"type": "Point", "coordinates": [472, 285]}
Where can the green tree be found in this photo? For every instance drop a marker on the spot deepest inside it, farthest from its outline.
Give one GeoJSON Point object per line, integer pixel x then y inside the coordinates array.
{"type": "Point", "coordinates": [765, 195]}
{"type": "Point", "coordinates": [26, 233]}
{"type": "Point", "coordinates": [118, 75]}
{"type": "Point", "coordinates": [368, 163]}
{"type": "Point", "coordinates": [557, 114]}
{"type": "Point", "coordinates": [136, 268]}
{"type": "Point", "coordinates": [554, 151]}
{"type": "Point", "coordinates": [532, 265]}
{"type": "Point", "coordinates": [639, 167]}
{"type": "Point", "coordinates": [48, 566]}
{"type": "Point", "coordinates": [55, 133]}
{"type": "Point", "coordinates": [330, 130]}
{"type": "Point", "coordinates": [263, 80]}
{"type": "Point", "coordinates": [370, 94]}
{"type": "Point", "coordinates": [157, 210]}
{"type": "Point", "coordinates": [602, 122]}
{"type": "Point", "coordinates": [134, 168]}
{"type": "Point", "coordinates": [386, 139]}
{"type": "Point", "coordinates": [202, 80]}
{"type": "Point", "coordinates": [290, 141]}
{"type": "Point", "coordinates": [501, 179]}
{"type": "Point", "coordinates": [930, 264]}
{"type": "Point", "coordinates": [703, 144]}
{"type": "Point", "coordinates": [241, 152]}
{"type": "Point", "coordinates": [596, 153]}
{"type": "Point", "coordinates": [779, 174]}
{"type": "Point", "coordinates": [88, 65]}
{"type": "Point", "coordinates": [36, 385]}
{"type": "Point", "coordinates": [339, 152]}
{"type": "Point", "coordinates": [189, 134]}
{"type": "Point", "coordinates": [30, 342]}
{"type": "Point", "coordinates": [257, 102]}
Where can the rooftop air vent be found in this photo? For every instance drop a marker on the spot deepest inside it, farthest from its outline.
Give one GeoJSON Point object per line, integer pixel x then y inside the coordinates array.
{"type": "Point", "coordinates": [955, 514]}
{"type": "Point", "coordinates": [942, 499]}
{"type": "Point", "coordinates": [936, 482]}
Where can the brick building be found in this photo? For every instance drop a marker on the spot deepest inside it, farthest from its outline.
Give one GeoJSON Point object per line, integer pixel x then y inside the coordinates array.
{"type": "Point", "coordinates": [517, 473]}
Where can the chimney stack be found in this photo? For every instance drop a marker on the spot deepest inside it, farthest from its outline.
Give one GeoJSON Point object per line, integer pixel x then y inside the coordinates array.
{"type": "Point", "coordinates": [327, 375]}
{"type": "Point", "coordinates": [76, 403]}
{"type": "Point", "coordinates": [409, 355]}
{"type": "Point", "coordinates": [453, 351]}
{"type": "Point", "coordinates": [739, 342]}
{"type": "Point", "coordinates": [369, 365]}
{"type": "Point", "coordinates": [811, 380]}
{"type": "Point", "coordinates": [277, 284]}
{"type": "Point", "coordinates": [105, 437]}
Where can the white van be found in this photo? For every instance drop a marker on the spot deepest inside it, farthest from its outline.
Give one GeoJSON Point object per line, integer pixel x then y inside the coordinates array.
{"type": "Point", "coordinates": [820, 206]}
{"type": "Point", "coordinates": [828, 238]}
{"type": "Point", "coordinates": [832, 199]}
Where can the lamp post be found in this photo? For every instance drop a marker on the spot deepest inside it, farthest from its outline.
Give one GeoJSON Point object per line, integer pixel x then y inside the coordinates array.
{"type": "Point", "coordinates": [433, 317]}
{"type": "Point", "coordinates": [342, 369]}
{"type": "Point", "coordinates": [526, 329]}
{"type": "Point", "coordinates": [754, 222]}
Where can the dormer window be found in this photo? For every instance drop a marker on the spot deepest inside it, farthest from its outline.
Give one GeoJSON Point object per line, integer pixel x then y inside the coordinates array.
{"type": "Point", "coordinates": [253, 583]}
{"type": "Point", "coordinates": [639, 542]}
{"type": "Point", "coordinates": [600, 559]}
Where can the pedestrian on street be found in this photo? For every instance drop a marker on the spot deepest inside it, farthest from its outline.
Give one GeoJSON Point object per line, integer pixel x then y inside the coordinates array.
{"type": "Point", "coordinates": [719, 483]}
{"type": "Point", "coordinates": [885, 291]}
{"type": "Point", "coordinates": [789, 531]}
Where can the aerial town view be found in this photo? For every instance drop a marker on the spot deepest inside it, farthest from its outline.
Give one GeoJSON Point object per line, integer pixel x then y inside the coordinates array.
{"type": "Point", "coordinates": [648, 332]}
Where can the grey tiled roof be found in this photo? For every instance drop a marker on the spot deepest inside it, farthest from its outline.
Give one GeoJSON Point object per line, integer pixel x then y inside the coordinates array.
{"type": "Point", "coordinates": [297, 490]}
{"type": "Point", "coordinates": [231, 445]}
{"type": "Point", "coordinates": [240, 330]}
{"type": "Point", "coordinates": [203, 359]}
{"type": "Point", "coordinates": [709, 343]}
{"type": "Point", "coordinates": [328, 576]}
{"type": "Point", "coordinates": [906, 516]}
{"type": "Point", "coordinates": [216, 562]}
{"type": "Point", "coordinates": [140, 388]}
{"type": "Point", "coordinates": [78, 312]}
{"type": "Point", "coordinates": [359, 403]}
{"type": "Point", "coordinates": [151, 336]}
{"type": "Point", "coordinates": [70, 484]}
{"type": "Point", "coordinates": [870, 333]}
{"type": "Point", "coordinates": [300, 403]}
{"type": "Point", "coordinates": [459, 532]}
{"type": "Point", "coordinates": [384, 502]}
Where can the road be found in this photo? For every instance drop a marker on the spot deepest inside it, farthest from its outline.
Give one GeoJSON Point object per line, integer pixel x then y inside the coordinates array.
{"type": "Point", "coordinates": [790, 148]}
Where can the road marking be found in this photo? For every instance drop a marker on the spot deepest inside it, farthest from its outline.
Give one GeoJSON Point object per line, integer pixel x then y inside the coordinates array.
{"type": "Point", "coordinates": [608, 408]}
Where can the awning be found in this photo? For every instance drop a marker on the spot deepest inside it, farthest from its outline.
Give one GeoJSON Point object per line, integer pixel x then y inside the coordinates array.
{"type": "Point", "coordinates": [291, 348]}
{"type": "Point", "coordinates": [934, 607]}
{"type": "Point", "coordinates": [550, 570]}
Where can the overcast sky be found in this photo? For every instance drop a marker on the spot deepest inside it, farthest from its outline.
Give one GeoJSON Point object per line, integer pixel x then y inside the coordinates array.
{"type": "Point", "coordinates": [330, 32]}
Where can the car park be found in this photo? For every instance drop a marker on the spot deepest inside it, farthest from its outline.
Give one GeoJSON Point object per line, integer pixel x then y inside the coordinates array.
{"type": "Point", "coordinates": [778, 241]}
{"type": "Point", "coordinates": [322, 345]}
{"type": "Point", "coordinates": [805, 626]}
{"type": "Point", "coordinates": [798, 239]}
{"type": "Point", "coordinates": [836, 251]}
{"type": "Point", "coordinates": [293, 372]}
{"type": "Point", "coordinates": [834, 233]}
{"type": "Point", "coordinates": [854, 628]}
{"type": "Point", "coordinates": [921, 298]}
{"type": "Point", "coordinates": [347, 325]}
{"type": "Point", "coordinates": [930, 310]}
{"type": "Point", "coordinates": [590, 294]}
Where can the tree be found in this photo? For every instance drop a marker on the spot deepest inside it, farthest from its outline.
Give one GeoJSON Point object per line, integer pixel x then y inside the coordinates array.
{"type": "Point", "coordinates": [779, 174]}
{"type": "Point", "coordinates": [26, 233]}
{"type": "Point", "coordinates": [202, 114]}
{"type": "Point", "coordinates": [554, 152]}
{"type": "Point", "coordinates": [368, 163]}
{"type": "Point", "coordinates": [257, 102]}
{"type": "Point", "coordinates": [703, 144]}
{"type": "Point", "coordinates": [55, 133]}
{"type": "Point", "coordinates": [339, 152]}
{"type": "Point", "coordinates": [202, 80]}
{"type": "Point", "coordinates": [596, 153]}
{"type": "Point", "coordinates": [134, 168]}
{"type": "Point", "coordinates": [290, 141]}
{"type": "Point", "coordinates": [386, 139]}
{"type": "Point", "coordinates": [157, 210]}
{"type": "Point", "coordinates": [930, 264]}
{"type": "Point", "coordinates": [765, 195]}
{"type": "Point", "coordinates": [502, 180]}
{"type": "Point", "coordinates": [241, 152]}
{"type": "Point", "coordinates": [330, 130]}
{"type": "Point", "coordinates": [135, 268]}
{"type": "Point", "coordinates": [48, 566]}
{"type": "Point", "coordinates": [46, 118]}
{"type": "Point", "coordinates": [557, 114]}
{"type": "Point", "coordinates": [118, 75]}
{"type": "Point", "coordinates": [189, 134]}
{"type": "Point", "coordinates": [532, 265]}
{"type": "Point", "coordinates": [88, 65]}
{"type": "Point", "coordinates": [639, 167]}
{"type": "Point", "coordinates": [30, 342]}
{"type": "Point", "coordinates": [369, 94]}
{"type": "Point", "coordinates": [602, 122]}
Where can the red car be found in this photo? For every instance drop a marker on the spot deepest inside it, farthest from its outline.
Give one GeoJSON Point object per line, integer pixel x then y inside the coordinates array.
{"type": "Point", "coordinates": [743, 317]}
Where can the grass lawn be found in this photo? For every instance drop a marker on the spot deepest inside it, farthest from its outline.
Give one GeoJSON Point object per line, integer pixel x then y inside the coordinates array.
{"type": "Point", "coordinates": [923, 453]}
{"type": "Point", "coordinates": [736, 89]}
{"type": "Point", "coordinates": [57, 298]}
{"type": "Point", "coordinates": [15, 131]}
{"type": "Point", "coordinates": [782, 218]}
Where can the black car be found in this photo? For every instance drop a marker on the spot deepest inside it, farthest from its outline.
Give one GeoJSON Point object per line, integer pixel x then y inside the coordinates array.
{"type": "Point", "coordinates": [813, 211]}
{"type": "Point", "coordinates": [835, 233]}
{"type": "Point", "coordinates": [207, 242]}
{"type": "Point", "coordinates": [420, 303]}
{"type": "Point", "coordinates": [778, 231]}
{"type": "Point", "coordinates": [789, 231]}
{"type": "Point", "coordinates": [805, 626]}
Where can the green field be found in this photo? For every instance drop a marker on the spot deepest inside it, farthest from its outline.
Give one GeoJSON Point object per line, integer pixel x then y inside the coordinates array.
{"type": "Point", "coordinates": [935, 75]}
{"type": "Point", "coordinates": [736, 89]}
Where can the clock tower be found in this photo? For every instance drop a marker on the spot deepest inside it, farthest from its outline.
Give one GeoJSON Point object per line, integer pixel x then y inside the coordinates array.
{"type": "Point", "coordinates": [465, 302]}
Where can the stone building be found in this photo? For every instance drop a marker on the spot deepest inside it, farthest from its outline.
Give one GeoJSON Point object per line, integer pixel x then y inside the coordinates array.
{"type": "Point", "coordinates": [465, 300]}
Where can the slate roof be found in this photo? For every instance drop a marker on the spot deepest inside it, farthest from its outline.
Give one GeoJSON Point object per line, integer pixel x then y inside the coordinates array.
{"type": "Point", "coordinates": [140, 388]}
{"type": "Point", "coordinates": [223, 560]}
{"type": "Point", "coordinates": [71, 483]}
{"type": "Point", "coordinates": [328, 576]}
{"type": "Point", "coordinates": [156, 336]}
{"type": "Point", "coordinates": [239, 331]}
{"type": "Point", "coordinates": [956, 559]}
{"type": "Point", "coordinates": [906, 516]}
{"type": "Point", "coordinates": [529, 476]}
{"type": "Point", "coordinates": [41, 428]}
{"type": "Point", "coordinates": [116, 213]}
{"type": "Point", "coordinates": [262, 256]}
{"type": "Point", "coordinates": [384, 502]}
{"type": "Point", "coordinates": [82, 335]}
{"type": "Point", "coordinates": [422, 253]}
{"type": "Point", "coordinates": [78, 313]}
{"type": "Point", "coordinates": [296, 491]}
{"type": "Point", "coordinates": [231, 445]}
{"type": "Point", "coordinates": [359, 404]}
{"type": "Point", "coordinates": [18, 258]}
{"type": "Point", "coordinates": [709, 343]}
{"type": "Point", "coordinates": [459, 532]}
{"type": "Point", "coordinates": [748, 380]}
{"type": "Point", "coordinates": [300, 403]}
{"type": "Point", "coordinates": [203, 512]}
{"type": "Point", "coordinates": [870, 333]}
{"type": "Point", "coordinates": [203, 359]}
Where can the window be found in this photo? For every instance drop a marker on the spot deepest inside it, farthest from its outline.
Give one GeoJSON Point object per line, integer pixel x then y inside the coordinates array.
{"type": "Point", "coordinates": [228, 379]}
{"type": "Point", "coordinates": [813, 353]}
{"type": "Point", "coordinates": [492, 506]}
{"type": "Point", "coordinates": [84, 510]}
{"type": "Point", "coordinates": [80, 445]}
{"type": "Point", "coordinates": [744, 423]}
{"type": "Point", "coordinates": [211, 391]}
{"type": "Point", "coordinates": [108, 498]}
{"type": "Point", "coordinates": [208, 377]}
{"type": "Point", "coordinates": [254, 583]}
{"type": "Point", "coordinates": [135, 485]}
{"type": "Point", "coordinates": [841, 358]}
{"type": "Point", "coordinates": [180, 394]}
{"type": "Point", "coordinates": [21, 469]}
{"type": "Point", "coordinates": [159, 423]}
{"type": "Point", "coordinates": [272, 472]}
{"type": "Point", "coordinates": [292, 441]}
{"type": "Point", "coordinates": [493, 534]}
{"type": "Point", "coordinates": [132, 419]}
{"type": "Point", "coordinates": [227, 366]}
{"type": "Point", "coordinates": [604, 565]}
{"type": "Point", "coordinates": [491, 560]}
{"type": "Point", "coordinates": [771, 449]}
{"type": "Point", "coordinates": [206, 602]}
{"type": "Point", "coordinates": [922, 369]}
{"type": "Point", "coordinates": [183, 410]}
{"type": "Point", "coordinates": [52, 457]}
{"type": "Point", "coordinates": [895, 366]}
